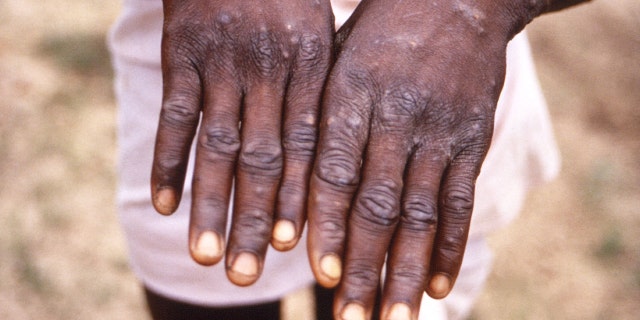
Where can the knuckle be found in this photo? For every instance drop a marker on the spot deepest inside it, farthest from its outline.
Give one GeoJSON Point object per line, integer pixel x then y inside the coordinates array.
{"type": "Point", "coordinates": [311, 52]}
{"type": "Point", "coordinates": [177, 113]}
{"type": "Point", "coordinates": [409, 274]}
{"type": "Point", "coordinates": [362, 274]}
{"type": "Point", "coordinates": [221, 141]}
{"type": "Point", "coordinates": [337, 168]}
{"type": "Point", "coordinates": [419, 212]}
{"type": "Point", "coordinates": [476, 127]}
{"type": "Point", "coordinates": [265, 53]}
{"type": "Point", "coordinates": [256, 224]}
{"type": "Point", "coordinates": [378, 204]}
{"type": "Point", "coordinates": [333, 230]}
{"type": "Point", "coordinates": [458, 199]}
{"type": "Point", "coordinates": [449, 253]}
{"type": "Point", "coordinates": [351, 85]}
{"type": "Point", "coordinates": [300, 140]}
{"type": "Point", "coordinates": [359, 80]}
{"type": "Point", "coordinates": [169, 164]}
{"type": "Point", "coordinates": [207, 202]}
{"type": "Point", "coordinates": [261, 158]}
{"type": "Point", "coordinates": [403, 102]}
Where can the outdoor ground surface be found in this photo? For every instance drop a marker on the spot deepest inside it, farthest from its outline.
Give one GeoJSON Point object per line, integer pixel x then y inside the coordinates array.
{"type": "Point", "coordinates": [574, 253]}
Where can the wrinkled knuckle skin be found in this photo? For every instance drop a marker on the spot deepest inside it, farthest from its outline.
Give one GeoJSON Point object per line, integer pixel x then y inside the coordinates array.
{"type": "Point", "coordinates": [361, 82]}
{"type": "Point", "coordinates": [332, 230]}
{"type": "Point", "coordinates": [300, 141]}
{"type": "Point", "coordinates": [207, 202]}
{"type": "Point", "coordinates": [168, 167]}
{"type": "Point", "coordinates": [177, 113]}
{"type": "Point", "coordinates": [220, 141]}
{"type": "Point", "coordinates": [458, 200]}
{"type": "Point", "coordinates": [476, 127]}
{"type": "Point", "coordinates": [265, 53]}
{"type": "Point", "coordinates": [312, 52]}
{"type": "Point", "coordinates": [261, 158]}
{"type": "Point", "coordinates": [403, 105]}
{"type": "Point", "coordinates": [378, 204]}
{"type": "Point", "coordinates": [408, 275]}
{"type": "Point", "coordinates": [473, 144]}
{"type": "Point", "coordinates": [419, 213]}
{"type": "Point", "coordinates": [361, 275]}
{"type": "Point", "coordinates": [336, 168]}
{"type": "Point", "coordinates": [450, 252]}
{"type": "Point", "coordinates": [253, 224]}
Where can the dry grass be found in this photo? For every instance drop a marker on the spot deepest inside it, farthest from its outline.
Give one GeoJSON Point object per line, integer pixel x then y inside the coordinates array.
{"type": "Point", "coordinates": [573, 254]}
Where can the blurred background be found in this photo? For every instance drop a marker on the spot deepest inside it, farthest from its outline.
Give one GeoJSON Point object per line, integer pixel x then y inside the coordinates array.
{"type": "Point", "coordinates": [574, 253]}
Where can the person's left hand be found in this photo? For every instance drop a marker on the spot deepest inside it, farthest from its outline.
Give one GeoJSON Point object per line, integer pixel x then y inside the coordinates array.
{"type": "Point", "coordinates": [406, 122]}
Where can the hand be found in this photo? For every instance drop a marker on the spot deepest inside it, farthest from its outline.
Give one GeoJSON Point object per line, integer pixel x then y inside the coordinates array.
{"type": "Point", "coordinates": [407, 120]}
{"type": "Point", "coordinates": [252, 73]}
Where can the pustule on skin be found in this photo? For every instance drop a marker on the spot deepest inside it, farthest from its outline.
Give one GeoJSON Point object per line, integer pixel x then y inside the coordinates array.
{"type": "Point", "coordinates": [474, 16]}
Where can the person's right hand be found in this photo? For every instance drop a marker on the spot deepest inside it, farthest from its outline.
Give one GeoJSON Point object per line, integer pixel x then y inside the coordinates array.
{"type": "Point", "coordinates": [250, 73]}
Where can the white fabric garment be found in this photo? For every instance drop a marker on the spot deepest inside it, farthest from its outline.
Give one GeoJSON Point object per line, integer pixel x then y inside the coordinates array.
{"type": "Point", "coordinates": [522, 154]}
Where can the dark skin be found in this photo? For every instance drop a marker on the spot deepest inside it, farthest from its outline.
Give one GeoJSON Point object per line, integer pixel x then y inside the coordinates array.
{"type": "Point", "coordinates": [268, 74]}
{"type": "Point", "coordinates": [407, 118]}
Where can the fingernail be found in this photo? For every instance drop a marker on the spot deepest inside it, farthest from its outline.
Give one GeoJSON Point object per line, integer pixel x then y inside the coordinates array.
{"type": "Point", "coordinates": [440, 285]}
{"type": "Point", "coordinates": [331, 266]}
{"type": "Point", "coordinates": [245, 268]}
{"type": "Point", "coordinates": [209, 248]}
{"type": "Point", "coordinates": [399, 311]}
{"type": "Point", "coordinates": [284, 231]}
{"type": "Point", "coordinates": [165, 201]}
{"type": "Point", "coordinates": [353, 311]}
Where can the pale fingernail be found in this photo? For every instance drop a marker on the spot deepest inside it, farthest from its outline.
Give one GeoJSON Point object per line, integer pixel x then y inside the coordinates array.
{"type": "Point", "coordinates": [331, 266]}
{"type": "Point", "coordinates": [245, 268]}
{"type": "Point", "coordinates": [284, 231]}
{"type": "Point", "coordinates": [353, 311]}
{"type": "Point", "coordinates": [208, 248]}
{"type": "Point", "coordinates": [440, 285]}
{"type": "Point", "coordinates": [165, 201]}
{"type": "Point", "coordinates": [399, 311]}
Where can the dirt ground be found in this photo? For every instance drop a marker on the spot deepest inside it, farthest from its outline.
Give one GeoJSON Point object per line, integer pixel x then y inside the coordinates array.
{"type": "Point", "coordinates": [574, 253]}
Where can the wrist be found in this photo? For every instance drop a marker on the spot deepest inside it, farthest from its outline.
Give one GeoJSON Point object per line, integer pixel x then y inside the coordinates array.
{"type": "Point", "coordinates": [525, 11]}
{"type": "Point", "coordinates": [503, 17]}
{"type": "Point", "coordinates": [514, 15]}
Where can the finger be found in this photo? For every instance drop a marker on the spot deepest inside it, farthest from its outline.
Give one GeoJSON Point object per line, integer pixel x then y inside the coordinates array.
{"type": "Point", "coordinates": [410, 252]}
{"type": "Point", "coordinates": [299, 139]}
{"type": "Point", "coordinates": [374, 215]}
{"type": "Point", "coordinates": [258, 174]}
{"type": "Point", "coordinates": [177, 126]}
{"type": "Point", "coordinates": [343, 133]}
{"type": "Point", "coordinates": [216, 153]}
{"type": "Point", "coordinates": [454, 218]}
